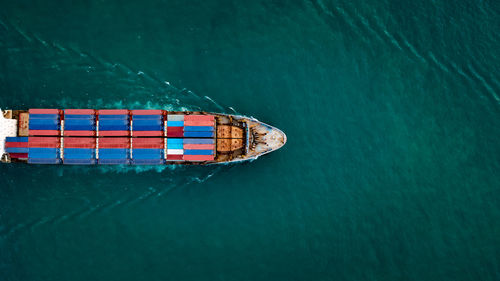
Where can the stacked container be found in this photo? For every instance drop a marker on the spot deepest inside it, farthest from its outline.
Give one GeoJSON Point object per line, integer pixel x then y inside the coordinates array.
{"type": "Point", "coordinates": [175, 149]}
{"type": "Point", "coordinates": [79, 122]}
{"type": "Point", "coordinates": [44, 150]}
{"type": "Point", "coordinates": [114, 122]}
{"type": "Point", "coordinates": [148, 151]}
{"type": "Point", "coordinates": [175, 126]}
{"type": "Point", "coordinates": [17, 147]}
{"type": "Point", "coordinates": [199, 126]}
{"type": "Point", "coordinates": [79, 150]}
{"type": "Point", "coordinates": [198, 149]}
{"type": "Point", "coordinates": [114, 151]}
{"type": "Point", "coordinates": [147, 123]}
{"type": "Point", "coordinates": [44, 122]}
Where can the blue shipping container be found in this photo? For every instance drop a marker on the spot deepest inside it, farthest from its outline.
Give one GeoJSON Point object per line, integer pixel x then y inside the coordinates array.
{"type": "Point", "coordinates": [17, 149]}
{"type": "Point", "coordinates": [44, 161]}
{"type": "Point", "coordinates": [199, 141]}
{"type": "Point", "coordinates": [199, 134]}
{"type": "Point", "coordinates": [78, 116]}
{"type": "Point", "coordinates": [198, 152]}
{"type": "Point", "coordinates": [148, 122]}
{"type": "Point", "coordinates": [77, 122]}
{"type": "Point", "coordinates": [174, 140]}
{"type": "Point", "coordinates": [175, 123]}
{"type": "Point", "coordinates": [147, 128]}
{"type": "Point", "coordinates": [175, 145]}
{"type": "Point", "coordinates": [198, 128]}
{"type": "Point", "coordinates": [16, 139]}
{"type": "Point", "coordinates": [148, 161]}
{"type": "Point", "coordinates": [112, 117]}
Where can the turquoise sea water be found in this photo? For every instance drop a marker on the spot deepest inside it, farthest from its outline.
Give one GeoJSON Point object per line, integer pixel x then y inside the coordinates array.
{"type": "Point", "coordinates": [390, 171]}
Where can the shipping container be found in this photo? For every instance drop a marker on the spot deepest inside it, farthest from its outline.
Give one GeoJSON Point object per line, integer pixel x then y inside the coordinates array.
{"type": "Point", "coordinates": [114, 153]}
{"type": "Point", "coordinates": [114, 133]}
{"type": "Point", "coordinates": [16, 139]}
{"type": "Point", "coordinates": [79, 117]}
{"type": "Point", "coordinates": [199, 146]}
{"type": "Point", "coordinates": [43, 111]}
{"type": "Point", "coordinates": [43, 139]}
{"type": "Point", "coordinates": [198, 152]}
{"type": "Point", "coordinates": [79, 133]}
{"type": "Point", "coordinates": [113, 117]}
{"type": "Point", "coordinates": [146, 117]}
{"type": "Point", "coordinates": [147, 133]}
{"type": "Point", "coordinates": [196, 134]}
{"type": "Point", "coordinates": [175, 146]}
{"type": "Point", "coordinates": [198, 157]}
{"type": "Point", "coordinates": [175, 123]}
{"type": "Point", "coordinates": [44, 132]}
{"type": "Point", "coordinates": [148, 140]}
{"type": "Point", "coordinates": [113, 112]}
{"type": "Point", "coordinates": [147, 112]}
{"type": "Point", "coordinates": [44, 116]}
{"type": "Point", "coordinates": [198, 141]}
{"type": "Point", "coordinates": [79, 111]}
{"type": "Point", "coordinates": [175, 157]}
{"type": "Point", "coordinates": [16, 149]}
{"type": "Point", "coordinates": [198, 128]}
{"type": "Point", "coordinates": [44, 161]}
{"type": "Point", "coordinates": [113, 140]}
{"type": "Point", "coordinates": [148, 161]}
{"type": "Point", "coordinates": [16, 144]}
{"type": "Point", "coordinates": [18, 155]}
{"type": "Point", "coordinates": [198, 118]}
{"type": "Point", "coordinates": [199, 123]}
{"type": "Point", "coordinates": [175, 117]}
{"type": "Point", "coordinates": [175, 151]}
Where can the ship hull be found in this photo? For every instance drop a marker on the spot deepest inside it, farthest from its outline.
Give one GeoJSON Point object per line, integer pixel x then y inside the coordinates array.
{"type": "Point", "coordinates": [136, 137]}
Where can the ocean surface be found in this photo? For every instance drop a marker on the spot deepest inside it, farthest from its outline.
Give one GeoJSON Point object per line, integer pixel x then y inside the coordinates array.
{"type": "Point", "coordinates": [391, 170]}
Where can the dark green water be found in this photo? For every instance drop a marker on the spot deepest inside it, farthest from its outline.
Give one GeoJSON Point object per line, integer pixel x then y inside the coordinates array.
{"type": "Point", "coordinates": [390, 171]}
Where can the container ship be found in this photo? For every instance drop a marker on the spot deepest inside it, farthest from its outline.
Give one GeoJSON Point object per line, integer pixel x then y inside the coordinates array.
{"type": "Point", "coordinates": [136, 137]}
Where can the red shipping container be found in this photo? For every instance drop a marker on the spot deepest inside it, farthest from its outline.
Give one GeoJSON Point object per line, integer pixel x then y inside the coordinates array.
{"type": "Point", "coordinates": [79, 133]}
{"type": "Point", "coordinates": [44, 132]}
{"type": "Point", "coordinates": [79, 140]}
{"type": "Point", "coordinates": [113, 112]}
{"type": "Point", "coordinates": [44, 139]}
{"type": "Point", "coordinates": [147, 145]}
{"type": "Point", "coordinates": [44, 144]}
{"type": "Point", "coordinates": [147, 140]}
{"type": "Point", "coordinates": [16, 144]}
{"type": "Point", "coordinates": [79, 111]}
{"type": "Point", "coordinates": [18, 155]}
{"type": "Point", "coordinates": [44, 111]}
{"type": "Point", "coordinates": [199, 146]}
{"type": "Point", "coordinates": [175, 134]}
{"type": "Point", "coordinates": [199, 123]}
{"type": "Point", "coordinates": [147, 112]}
{"type": "Point", "coordinates": [80, 145]}
{"type": "Point", "coordinates": [198, 118]}
{"type": "Point", "coordinates": [114, 145]}
{"type": "Point", "coordinates": [114, 133]}
{"type": "Point", "coordinates": [174, 157]}
{"type": "Point", "coordinates": [113, 140]}
{"type": "Point", "coordinates": [198, 157]}
{"type": "Point", "coordinates": [147, 133]}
